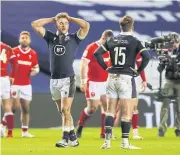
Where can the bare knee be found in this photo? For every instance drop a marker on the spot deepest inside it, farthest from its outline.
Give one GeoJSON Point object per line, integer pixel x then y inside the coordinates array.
{"type": "Point", "coordinates": [65, 112]}
{"type": "Point", "coordinates": [92, 109]}
{"type": "Point", "coordinates": [125, 119]}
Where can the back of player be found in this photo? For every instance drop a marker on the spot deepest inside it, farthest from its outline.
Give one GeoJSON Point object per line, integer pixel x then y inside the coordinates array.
{"type": "Point", "coordinates": [121, 88]}
{"type": "Point", "coordinates": [6, 57]}
{"type": "Point", "coordinates": [123, 50]}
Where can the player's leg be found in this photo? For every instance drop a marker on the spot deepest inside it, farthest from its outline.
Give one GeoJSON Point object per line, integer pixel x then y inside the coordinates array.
{"type": "Point", "coordinates": [109, 121]}
{"type": "Point", "coordinates": [25, 100]}
{"type": "Point", "coordinates": [92, 106]}
{"type": "Point", "coordinates": [127, 101]}
{"type": "Point", "coordinates": [55, 88]}
{"type": "Point", "coordinates": [127, 106]}
{"type": "Point", "coordinates": [93, 98]}
{"type": "Point", "coordinates": [135, 121]}
{"type": "Point", "coordinates": [112, 101]}
{"type": "Point", "coordinates": [8, 118]}
{"type": "Point", "coordinates": [103, 114]}
{"type": "Point", "coordinates": [67, 95]}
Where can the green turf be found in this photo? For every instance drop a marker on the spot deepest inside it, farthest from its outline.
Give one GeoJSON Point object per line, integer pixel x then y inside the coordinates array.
{"type": "Point", "coordinates": [44, 144]}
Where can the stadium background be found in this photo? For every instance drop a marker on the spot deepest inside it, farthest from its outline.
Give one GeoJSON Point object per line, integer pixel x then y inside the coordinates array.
{"type": "Point", "coordinates": [152, 18]}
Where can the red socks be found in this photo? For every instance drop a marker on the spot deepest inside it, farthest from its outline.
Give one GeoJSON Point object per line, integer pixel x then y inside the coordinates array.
{"type": "Point", "coordinates": [135, 121]}
{"type": "Point", "coordinates": [83, 117]}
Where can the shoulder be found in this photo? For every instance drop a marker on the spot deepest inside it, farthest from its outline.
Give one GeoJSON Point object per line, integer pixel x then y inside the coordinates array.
{"type": "Point", "coordinates": [15, 49]}
{"type": "Point", "coordinates": [33, 52]}
{"type": "Point", "coordinates": [50, 32]}
{"type": "Point", "coordinates": [3, 45]}
{"type": "Point", "coordinates": [91, 46]}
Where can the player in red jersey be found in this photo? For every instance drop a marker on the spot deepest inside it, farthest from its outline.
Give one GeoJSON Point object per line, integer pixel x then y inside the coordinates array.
{"type": "Point", "coordinates": [6, 57]}
{"type": "Point", "coordinates": [93, 83]}
{"type": "Point", "coordinates": [135, 118]}
{"type": "Point", "coordinates": [21, 89]}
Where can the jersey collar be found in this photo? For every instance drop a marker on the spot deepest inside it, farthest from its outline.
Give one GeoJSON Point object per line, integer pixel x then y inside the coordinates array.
{"type": "Point", "coordinates": [126, 33]}
{"type": "Point", "coordinates": [24, 52]}
{"type": "Point", "coordinates": [57, 33]}
{"type": "Point", "coordinates": [97, 43]}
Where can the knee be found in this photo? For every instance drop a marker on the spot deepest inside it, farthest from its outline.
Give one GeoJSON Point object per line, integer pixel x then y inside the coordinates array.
{"type": "Point", "coordinates": [25, 111]}
{"type": "Point", "coordinates": [92, 109]}
{"type": "Point", "coordinates": [126, 119]}
{"type": "Point", "coordinates": [65, 111]}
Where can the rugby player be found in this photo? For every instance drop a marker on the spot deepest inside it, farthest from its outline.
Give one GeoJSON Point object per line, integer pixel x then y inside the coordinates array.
{"type": "Point", "coordinates": [6, 56]}
{"type": "Point", "coordinates": [62, 47]}
{"type": "Point", "coordinates": [93, 83]}
{"type": "Point", "coordinates": [121, 87]}
{"type": "Point", "coordinates": [21, 89]}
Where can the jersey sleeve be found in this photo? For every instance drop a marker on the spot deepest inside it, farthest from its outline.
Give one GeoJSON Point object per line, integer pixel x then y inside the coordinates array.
{"type": "Point", "coordinates": [138, 62]}
{"type": "Point", "coordinates": [87, 55]}
{"type": "Point", "coordinates": [108, 44]}
{"type": "Point", "coordinates": [48, 36]}
{"type": "Point", "coordinates": [140, 48]}
{"type": "Point", "coordinates": [77, 37]}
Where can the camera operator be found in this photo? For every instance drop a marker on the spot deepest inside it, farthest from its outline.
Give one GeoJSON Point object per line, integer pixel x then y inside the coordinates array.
{"type": "Point", "coordinates": [171, 87]}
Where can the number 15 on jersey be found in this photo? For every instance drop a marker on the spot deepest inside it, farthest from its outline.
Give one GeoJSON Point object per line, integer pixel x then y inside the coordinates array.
{"type": "Point", "coordinates": [120, 56]}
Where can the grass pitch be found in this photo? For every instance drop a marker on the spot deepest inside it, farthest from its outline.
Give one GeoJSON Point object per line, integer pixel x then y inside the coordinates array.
{"type": "Point", "coordinates": [44, 143]}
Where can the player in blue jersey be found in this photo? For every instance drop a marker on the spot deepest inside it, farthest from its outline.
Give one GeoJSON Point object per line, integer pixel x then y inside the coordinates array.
{"type": "Point", "coordinates": [62, 47]}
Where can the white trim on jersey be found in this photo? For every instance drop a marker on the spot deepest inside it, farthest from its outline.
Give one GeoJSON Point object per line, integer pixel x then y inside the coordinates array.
{"type": "Point", "coordinates": [24, 52]}
{"type": "Point", "coordinates": [104, 48]}
{"type": "Point", "coordinates": [85, 59]}
{"type": "Point", "coordinates": [98, 43]}
{"type": "Point", "coordinates": [126, 33]}
{"type": "Point", "coordinates": [12, 56]}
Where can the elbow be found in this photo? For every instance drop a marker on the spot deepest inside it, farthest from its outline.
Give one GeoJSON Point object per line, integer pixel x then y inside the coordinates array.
{"type": "Point", "coordinates": [87, 26]}
{"type": "Point", "coordinates": [32, 24]}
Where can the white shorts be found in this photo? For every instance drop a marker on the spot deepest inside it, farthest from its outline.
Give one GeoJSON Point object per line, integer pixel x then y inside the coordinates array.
{"type": "Point", "coordinates": [24, 92]}
{"type": "Point", "coordinates": [4, 87]}
{"type": "Point", "coordinates": [64, 87]}
{"type": "Point", "coordinates": [95, 90]}
{"type": "Point", "coordinates": [121, 86]}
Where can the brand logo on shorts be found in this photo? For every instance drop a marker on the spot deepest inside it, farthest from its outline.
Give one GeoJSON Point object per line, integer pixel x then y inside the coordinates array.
{"type": "Point", "coordinates": [13, 93]}
{"type": "Point", "coordinates": [59, 50]}
{"type": "Point", "coordinates": [92, 94]}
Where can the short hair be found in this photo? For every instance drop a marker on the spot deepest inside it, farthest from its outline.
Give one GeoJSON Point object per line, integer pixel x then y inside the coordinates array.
{"type": "Point", "coordinates": [126, 23]}
{"type": "Point", "coordinates": [59, 16]}
{"type": "Point", "coordinates": [108, 33]}
{"type": "Point", "coordinates": [25, 32]}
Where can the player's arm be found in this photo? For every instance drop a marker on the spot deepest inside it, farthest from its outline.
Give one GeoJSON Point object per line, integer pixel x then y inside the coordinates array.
{"type": "Point", "coordinates": [86, 58]}
{"type": "Point", "coordinates": [99, 53]}
{"type": "Point", "coordinates": [145, 57]}
{"type": "Point", "coordinates": [138, 63]}
{"type": "Point", "coordinates": [37, 25]}
{"type": "Point", "coordinates": [83, 74]}
{"type": "Point", "coordinates": [84, 25]}
{"type": "Point", "coordinates": [35, 66]}
{"type": "Point", "coordinates": [14, 65]}
{"type": "Point", "coordinates": [35, 70]}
